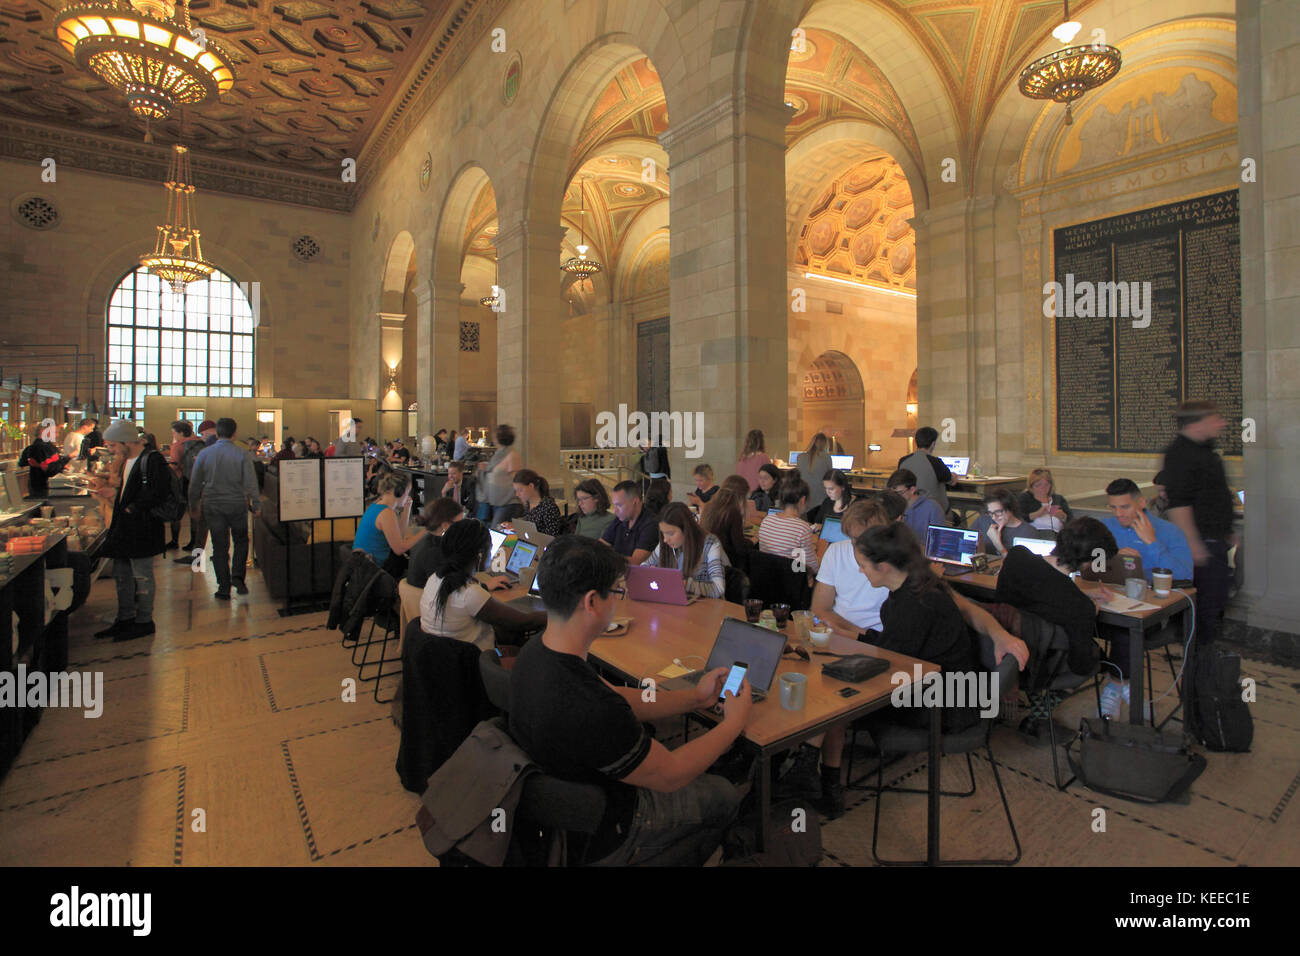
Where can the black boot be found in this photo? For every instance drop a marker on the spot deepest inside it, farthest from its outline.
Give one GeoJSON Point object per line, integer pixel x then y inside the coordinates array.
{"type": "Point", "coordinates": [116, 628]}
{"type": "Point", "coordinates": [832, 802]}
{"type": "Point", "coordinates": [801, 780]}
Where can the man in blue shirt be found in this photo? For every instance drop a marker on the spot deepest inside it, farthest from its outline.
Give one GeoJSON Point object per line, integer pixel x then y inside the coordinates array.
{"type": "Point", "coordinates": [922, 510]}
{"type": "Point", "coordinates": [224, 484]}
{"type": "Point", "coordinates": [1159, 543]}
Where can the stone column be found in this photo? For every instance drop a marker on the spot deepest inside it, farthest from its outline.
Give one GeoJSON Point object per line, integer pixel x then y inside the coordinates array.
{"type": "Point", "coordinates": [727, 295]}
{"type": "Point", "coordinates": [438, 341]}
{"type": "Point", "coordinates": [529, 342]}
{"type": "Point", "coordinates": [1268, 47]}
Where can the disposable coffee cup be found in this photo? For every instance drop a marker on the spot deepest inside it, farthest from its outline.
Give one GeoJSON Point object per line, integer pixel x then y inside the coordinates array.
{"type": "Point", "coordinates": [1162, 579]}
{"type": "Point", "coordinates": [47, 511]}
{"type": "Point", "coordinates": [794, 691]}
{"type": "Point", "coordinates": [1135, 588]}
{"type": "Point", "coordinates": [820, 636]}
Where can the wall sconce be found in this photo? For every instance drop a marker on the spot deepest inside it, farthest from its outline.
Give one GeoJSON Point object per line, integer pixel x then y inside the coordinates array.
{"type": "Point", "coordinates": [911, 408]}
{"type": "Point", "coordinates": [392, 377]}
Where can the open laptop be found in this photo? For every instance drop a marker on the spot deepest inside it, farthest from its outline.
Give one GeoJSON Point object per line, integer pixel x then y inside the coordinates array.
{"type": "Point", "coordinates": [842, 462]}
{"type": "Point", "coordinates": [521, 558]}
{"type": "Point", "coordinates": [954, 548]}
{"type": "Point", "coordinates": [958, 466]}
{"type": "Point", "coordinates": [757, 647]}
{"type": "Point", "coordinates": [532, 601]}
{"type": "Point", "coordinates": [1118, 570]}
{"type": "Point", "coordinates": [1040, 546]}
{"type": "Point", "coordinates": [658, 585]}
{"type": "Point", "coordinates": [527, 531]}
{"type": "Point", "coordinates": [832, 531]}
{"type": "Point", "coordinates": [794, 459]}
{"type": "Point", "coordinates": [485, 572]}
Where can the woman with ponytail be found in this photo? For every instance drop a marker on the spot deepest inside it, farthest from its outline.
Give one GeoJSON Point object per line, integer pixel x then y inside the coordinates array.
{"type": "Point", "coordinates": [539, 507]}
{"type": "Point", "coordinates": [455, 605]}
{"type": "Point", "coordinates": [919, 618]}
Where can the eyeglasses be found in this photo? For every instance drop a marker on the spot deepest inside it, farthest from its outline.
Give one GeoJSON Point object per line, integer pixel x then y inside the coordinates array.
{"type": "Point", "coordinates": [997, 514]}
{"type": "Point", "coordinates": [584, 498]}
{"type": "Point", "coordinates": [621, 592]}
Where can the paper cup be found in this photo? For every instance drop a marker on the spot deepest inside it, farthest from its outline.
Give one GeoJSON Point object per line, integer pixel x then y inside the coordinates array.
{"type": "Point", "coordinates": [1162, 580]}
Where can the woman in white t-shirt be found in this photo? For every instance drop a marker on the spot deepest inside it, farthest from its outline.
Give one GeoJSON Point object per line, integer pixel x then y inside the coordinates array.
{"type": "Point", "coordinates": [455, 605]}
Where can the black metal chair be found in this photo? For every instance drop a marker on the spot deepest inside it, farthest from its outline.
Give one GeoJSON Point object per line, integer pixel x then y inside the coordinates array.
{"type": "Point", "coordinates": [898, 739]}
{"type": "Point", "coordinates": [772, 579]}
{"type": "Point", "coordinates": [550, 809]}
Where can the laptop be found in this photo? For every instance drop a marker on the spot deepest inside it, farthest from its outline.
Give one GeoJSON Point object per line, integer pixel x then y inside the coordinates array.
{"type": "Point", "coordinates": [842, 462]}
{"type": "Point", "coordinates": [1040, 546]}
{"type": "Point", "coordinates": [485, 572]}
{"type": "Point", "coordinates": [757, 647]}
{"type": "Point", "coordinates": [958, 466]}
{"type": "Point", "coordinates": [658, 585]}
{"type": "Point", "coordinates": [527, 531]}
{"type": "Point", "coordinates": [775, 511]}
{"type": "Point", "coordinates": [532, 601]}
{"type": "Point", "coordinates": [521, 558]}
{"type": "Point", "coordinates": [1118, 570]}
{"type": "Point", "coordinates": [954, 548]}
{"type": "Point", "coordinates": [832, 530]}
{"type": "Point", "coordinates": [794, 459]}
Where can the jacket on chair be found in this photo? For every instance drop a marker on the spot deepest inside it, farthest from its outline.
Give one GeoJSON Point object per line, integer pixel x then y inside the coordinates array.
{"type": "Point", "coordinates": [361, 589]}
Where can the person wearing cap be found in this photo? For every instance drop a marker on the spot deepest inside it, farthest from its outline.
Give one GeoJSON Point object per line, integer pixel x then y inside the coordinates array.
{"type": "Point", "coordinates": [224, 480]}
{"type": "Point", "coordinates": [41, 459]}
{"type": "Point", "coordinates": [208, 432]}
{"type": "Point", "coordinates": [135, 537]}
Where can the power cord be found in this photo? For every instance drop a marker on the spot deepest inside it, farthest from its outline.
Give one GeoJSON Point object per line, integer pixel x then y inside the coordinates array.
{"type": "Point", "coordinates": [1187, 648]}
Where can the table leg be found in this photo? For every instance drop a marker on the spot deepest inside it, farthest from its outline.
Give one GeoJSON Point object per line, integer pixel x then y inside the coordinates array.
{"type": "Point", "coordinates": [1136, 680]}
{"type": "Point", "coordinates": [764, 799]}
{"type": "Point", "coordinates": [932, 811]}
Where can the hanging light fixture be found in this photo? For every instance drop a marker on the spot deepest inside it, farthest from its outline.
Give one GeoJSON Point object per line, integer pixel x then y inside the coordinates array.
{"type": "Point", "coordinates": [139, 49]}
{"type": "Point", "coordinates": [580, 267]}
{"type": "Point", "coordinates": [177, 259]}
{"type": "Point", "coordinates": [1069, 73]}
{"type": "Point", "coordinates": [493, 300]}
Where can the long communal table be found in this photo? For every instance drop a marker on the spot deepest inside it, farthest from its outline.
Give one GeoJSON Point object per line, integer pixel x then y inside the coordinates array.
{"type": "Point", "coordinates": [661, 632]}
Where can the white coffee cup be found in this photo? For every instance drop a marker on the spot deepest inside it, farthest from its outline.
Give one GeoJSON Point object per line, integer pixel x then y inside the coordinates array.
{"type": "Point", "coordinates": [1162, 579]}
{"type": "Point", "coordinates": [820, 636]}
{"type": "Point", "coordinates": [1135, 588]}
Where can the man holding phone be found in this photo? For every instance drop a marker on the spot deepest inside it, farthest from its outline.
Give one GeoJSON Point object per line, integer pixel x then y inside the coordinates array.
{"type": "Point", "coordinates": [579, 727]}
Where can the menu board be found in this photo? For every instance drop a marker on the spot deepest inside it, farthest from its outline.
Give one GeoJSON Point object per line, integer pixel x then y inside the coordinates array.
{"type": "Point", "coordinates": [345, 487]}
{"type": "Point", "coordinates": [1147, 314]}
{"type": "Point", "coordinates": [300, 489]}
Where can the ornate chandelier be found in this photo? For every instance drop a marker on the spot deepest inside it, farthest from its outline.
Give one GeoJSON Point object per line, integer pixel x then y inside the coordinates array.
{"type": "Point", "coordinates": [493, 300]}
{"type": "Point", "coordinates": [1069, 73]}
{"type": "Point", "coordinates": [580, 267]}
{"type": "Point", "coordinates": [139, 49]}
{"type": "Point", "coordinates": [178, 259]}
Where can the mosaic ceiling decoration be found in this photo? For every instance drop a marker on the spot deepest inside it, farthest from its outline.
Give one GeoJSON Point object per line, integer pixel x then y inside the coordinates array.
{"type": "Point", "coordinates": [858, 228]}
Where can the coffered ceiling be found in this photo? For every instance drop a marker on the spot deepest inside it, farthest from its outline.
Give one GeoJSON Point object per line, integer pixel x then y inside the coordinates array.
{"type": "Point", "coordinates": [315, 82]}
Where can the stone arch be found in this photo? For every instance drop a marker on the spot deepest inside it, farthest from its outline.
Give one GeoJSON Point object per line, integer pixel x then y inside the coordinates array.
{"type": "Point", "coordinates": [833, 401]}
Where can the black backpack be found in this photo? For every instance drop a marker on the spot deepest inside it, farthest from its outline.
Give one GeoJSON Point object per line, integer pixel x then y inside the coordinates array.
{"type": "Point", "coordinates": [172, 508]}
{"type": "Point", "coordinates": [1217, 716]}
{"type": "Point", "coordinates": [192, 449]}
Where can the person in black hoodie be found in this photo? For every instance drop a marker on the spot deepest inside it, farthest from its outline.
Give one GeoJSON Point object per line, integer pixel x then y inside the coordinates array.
{"type": "Point", "coordinates": [135, 537]}
{"type": "Point", "coordinates": [42, 460]}
{"type": "Point", "coordinates": [1042, 586]}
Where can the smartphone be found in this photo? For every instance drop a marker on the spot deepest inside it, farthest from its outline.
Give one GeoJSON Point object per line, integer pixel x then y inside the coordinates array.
{"type": "Point", "coordinates": [732, 684]}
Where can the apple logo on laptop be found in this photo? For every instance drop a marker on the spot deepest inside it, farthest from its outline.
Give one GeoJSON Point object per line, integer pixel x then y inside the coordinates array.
{"type": "Point", "coordinates": [654, 585]}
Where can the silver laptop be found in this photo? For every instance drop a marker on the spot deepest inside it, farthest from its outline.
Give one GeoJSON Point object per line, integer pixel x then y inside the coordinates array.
{"type": "Point", "coordinates": [958, 466]}
{"type": "Point", "coordinates": [739, 642]}
{"type": "Point", "coordinates": [842, 462]}
{"type": "Point", "coordinates": [527, 531]}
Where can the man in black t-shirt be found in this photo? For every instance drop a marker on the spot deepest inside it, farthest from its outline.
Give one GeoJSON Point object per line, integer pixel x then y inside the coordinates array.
{"type": "Point", "coordinates": [633, 533]}
{"type": "Point", "coordinates": [1200, 503]}
{"type": "Point", "coordinates": [578, 727]}
{"type": "Point", "coordinates": [42, 460]}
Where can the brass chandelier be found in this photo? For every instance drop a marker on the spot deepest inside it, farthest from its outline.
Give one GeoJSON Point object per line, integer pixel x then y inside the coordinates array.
{"type": "Point", "coordinates": [138, 48]}
{"type": "Point", "coordinates": [580, 267]}
{"type": "Point", "coordinates": [1069, 73]}
{"type": "Point", "coordinates": [177, 258]}
{"type": "Point", "coordinates": [494, 300]}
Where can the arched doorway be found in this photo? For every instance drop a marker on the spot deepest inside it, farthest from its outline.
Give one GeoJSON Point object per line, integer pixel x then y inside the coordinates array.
{"type": "Point", "coordinates": [834, 403]}
{"type": "Point", "coordinates": [396, 338]}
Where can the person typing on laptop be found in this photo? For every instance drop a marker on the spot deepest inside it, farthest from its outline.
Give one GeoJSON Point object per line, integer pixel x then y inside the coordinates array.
{"type": "Point", "coordinates": [633, 532]}
{"type": "Point", "coordinates": [455, 605]}
{"type": "Point", "coordinates": [787, 534]}
{"type": "Point", "coordinates": [684, 546]}
{"type": "Point", "coordinates": [922, 511]}
{"type": "Point", "coordinates": [576, 726]}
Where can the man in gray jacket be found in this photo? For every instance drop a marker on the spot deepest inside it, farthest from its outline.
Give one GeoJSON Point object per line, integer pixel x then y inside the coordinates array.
{"type": "Point", "coordinates": [932, 475]}
{"type": "Point", "coordinates": [224, 481]}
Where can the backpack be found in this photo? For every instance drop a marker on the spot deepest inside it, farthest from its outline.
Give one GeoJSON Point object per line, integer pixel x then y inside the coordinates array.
{"type": "Point", "coordinates": [1217, 716]}
{"type": "Point", "coordinates": [172, 508]}
{"type": "Point", "coordinates": [192, 449]}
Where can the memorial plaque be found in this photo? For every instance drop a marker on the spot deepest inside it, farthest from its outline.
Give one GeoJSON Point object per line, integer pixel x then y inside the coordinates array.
{"type": "Point", "coordinates": [1147, 314]}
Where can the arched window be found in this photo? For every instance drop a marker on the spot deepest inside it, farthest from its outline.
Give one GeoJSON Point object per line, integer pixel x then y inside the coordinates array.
{"type": "Point", "coordinates": [159, 343]}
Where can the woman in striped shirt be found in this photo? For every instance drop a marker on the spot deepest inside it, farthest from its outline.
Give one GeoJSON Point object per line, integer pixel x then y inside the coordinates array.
{"type": "Point", "coordinates": [787, 534]}
{"type": "Point", "coordinates": [682, 545]}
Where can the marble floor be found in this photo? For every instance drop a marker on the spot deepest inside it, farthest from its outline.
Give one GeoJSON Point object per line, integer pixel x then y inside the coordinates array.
{"type": "Point", "coordinates": [225, 740]}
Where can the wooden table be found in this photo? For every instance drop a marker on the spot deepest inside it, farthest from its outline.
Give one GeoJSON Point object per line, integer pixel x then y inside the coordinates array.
{"type": "Point", "coordinates": [1137, 623]}
{"type": "Point", "coordinates": [967, 494]}
{"type": "Point", "coordinates": [661, 632]}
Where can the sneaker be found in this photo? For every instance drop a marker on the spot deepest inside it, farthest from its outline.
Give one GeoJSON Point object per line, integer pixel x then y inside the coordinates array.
{"type": "Point", "coordinates": [134, 630]}
{"type": "Point", "coordinates": [223, 595]}
{"type": "Point", "coordinates": [1111, 699]}
{"type": "Point", "coordinates": [114, 629]}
